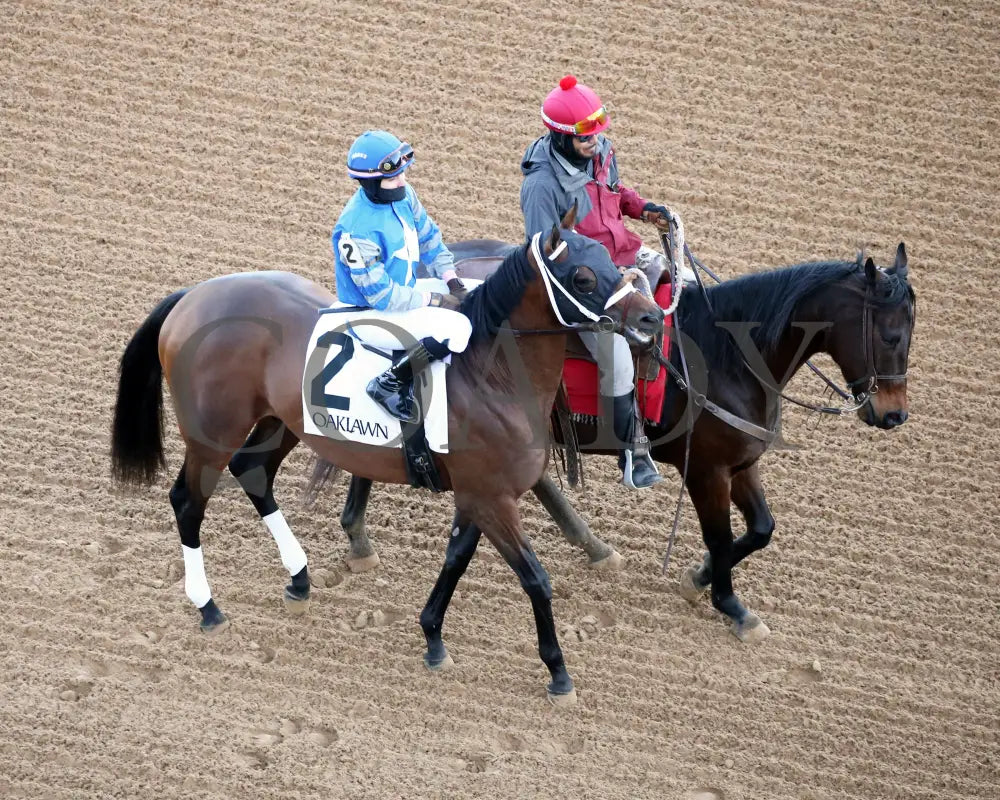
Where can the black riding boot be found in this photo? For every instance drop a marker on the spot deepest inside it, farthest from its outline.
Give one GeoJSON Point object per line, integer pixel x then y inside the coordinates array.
{"type": "Point", "coordinates": [393, 389]}
{"type": "Point", "coordinates": [638, 470]}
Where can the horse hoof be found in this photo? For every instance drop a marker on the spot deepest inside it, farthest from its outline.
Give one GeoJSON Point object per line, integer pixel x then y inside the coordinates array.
{"type": "Point", "coordinates": [610, 563]}
{"type": "Point", "coordinates": [357, 565]}
{"type": "Point", "coordinates": [439, 665]}
{"type": "Point", "coordinates": [296, 606]}
{"type": "Point", "coordinates": [564, 700]}
{"type": "Point", "coordinates": [751, 630]}
{"type": "Point", "coordinates": [689, 589]}
{"type": "Point", "coordinates": [215, 628]}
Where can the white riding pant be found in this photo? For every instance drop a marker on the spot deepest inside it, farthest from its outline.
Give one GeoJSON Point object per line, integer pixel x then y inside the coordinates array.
{"type": "Point", "coordinates": [614, 362]}
{"type": "Point", "coordinates": [441, 324]}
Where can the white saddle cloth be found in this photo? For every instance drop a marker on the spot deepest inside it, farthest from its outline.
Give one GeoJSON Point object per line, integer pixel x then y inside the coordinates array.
{"type": "Point", "coordinates": [339, 367]}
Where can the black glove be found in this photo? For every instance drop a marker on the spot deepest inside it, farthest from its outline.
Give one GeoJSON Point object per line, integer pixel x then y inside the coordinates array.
{"type": "Point", "coordinates": [659, 215]}
{"type": "Point", "coordinates": [457, 288]}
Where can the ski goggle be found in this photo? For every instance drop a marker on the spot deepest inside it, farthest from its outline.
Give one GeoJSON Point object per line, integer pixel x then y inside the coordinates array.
{"type": "Point", "coordinates": [391, 164]}
{"type": "Point", "coordinates": [585, 127]}
{"type": "Point", "coordinates": [397, 158]}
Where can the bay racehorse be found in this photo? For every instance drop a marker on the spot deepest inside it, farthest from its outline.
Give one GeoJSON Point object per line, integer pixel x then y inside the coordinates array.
{"type": "Point", "coordinates": [744, 339]}
{"type": "Point", "coordinates": [232, 352]}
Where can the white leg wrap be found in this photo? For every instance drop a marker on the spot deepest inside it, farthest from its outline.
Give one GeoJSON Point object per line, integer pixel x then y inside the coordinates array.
{"type": "Point", "coordinates": [292, 554]}
{"type": "Point", "coordinates": [195, 582]}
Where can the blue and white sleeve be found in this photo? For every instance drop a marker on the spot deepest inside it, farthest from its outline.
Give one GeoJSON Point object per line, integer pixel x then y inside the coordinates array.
{"type": "Point", "coordinates": [363, 258]}
{"type": "Point", "coordinates": [434, 253]}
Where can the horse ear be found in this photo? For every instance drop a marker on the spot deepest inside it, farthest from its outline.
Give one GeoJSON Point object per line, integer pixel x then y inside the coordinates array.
{"type": "Point", "coordinates": [871, 271]}
{"type": "Point", "coordinates": [552, 242]}
{"type": "Point", "coordinates": [900, 266]}
{"type": "Point", "coordinates": [569, 219]}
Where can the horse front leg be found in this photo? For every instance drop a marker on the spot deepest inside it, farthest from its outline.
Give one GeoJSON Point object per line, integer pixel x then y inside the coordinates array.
{"type": "Point", "coordinates": [747, 494]}
{"type": "Point", "coordinates": [362, 556]}
{"type": "Point", "coordinates": [502, 525]}
{"type": "Point", "coordinates": [461, 545]}
{"type": "Point", "coordinates": [711, 497]}
{"type": "Point", "coordinates": [576, 531]}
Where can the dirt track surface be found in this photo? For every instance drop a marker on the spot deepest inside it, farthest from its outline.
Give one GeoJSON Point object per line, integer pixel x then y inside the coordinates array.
{"type": "Point", "coordinates": [148, 146]}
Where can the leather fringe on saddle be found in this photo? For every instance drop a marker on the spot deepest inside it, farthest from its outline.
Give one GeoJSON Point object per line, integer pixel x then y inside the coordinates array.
{"type": "Point", "coordinates": [569, 450]}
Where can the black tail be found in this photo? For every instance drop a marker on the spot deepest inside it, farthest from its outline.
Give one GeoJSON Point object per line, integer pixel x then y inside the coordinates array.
{"type": "Point", "coordinates": [137, 430]}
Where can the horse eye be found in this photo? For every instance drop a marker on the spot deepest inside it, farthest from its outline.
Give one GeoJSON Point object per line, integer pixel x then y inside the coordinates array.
{"type": "Point", "coordinates": [584, 280]}
{"type": "Point", "coordinates": [890, 341]}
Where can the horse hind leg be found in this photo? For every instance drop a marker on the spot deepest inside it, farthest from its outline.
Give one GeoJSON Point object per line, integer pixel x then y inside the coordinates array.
{"type": "Point", "coordinates": [189, 495]}
{"type": "Point", "coordinates": [362, 556]}
{"type": "Point", "coordinates": [576, 531]}
{"type": "Point", "coordinates": [254, 466]}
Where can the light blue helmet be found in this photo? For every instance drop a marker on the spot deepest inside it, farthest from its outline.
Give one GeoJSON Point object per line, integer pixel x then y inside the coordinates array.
{"type": "Point", "coordinates": [378, 154]}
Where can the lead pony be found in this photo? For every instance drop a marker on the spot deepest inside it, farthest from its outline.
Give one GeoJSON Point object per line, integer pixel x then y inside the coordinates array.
{"type": "Point", "coordinates": [745, 339]}
{"type": "Point", "coordinates": [232, 351]}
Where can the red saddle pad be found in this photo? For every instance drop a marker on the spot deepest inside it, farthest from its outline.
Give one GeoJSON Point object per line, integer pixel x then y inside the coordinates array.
{"type": "Point", "coordinates": [581, 381]}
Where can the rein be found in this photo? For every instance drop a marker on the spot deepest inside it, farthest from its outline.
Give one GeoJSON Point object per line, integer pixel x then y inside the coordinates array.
{"type": "Point", "coordinates": [856, 400]}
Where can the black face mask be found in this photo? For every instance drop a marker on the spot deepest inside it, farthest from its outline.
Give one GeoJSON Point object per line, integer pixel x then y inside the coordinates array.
{"type": "Point", "coordinates": [373, 190]}
{"type": "Point", "coordinates": [583, 251]}
{"type": "Point", "coordinates": [563, 144]}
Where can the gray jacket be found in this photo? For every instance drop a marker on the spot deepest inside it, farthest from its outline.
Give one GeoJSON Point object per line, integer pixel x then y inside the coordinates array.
{"type": "Point", "coordinates": [551, 184]}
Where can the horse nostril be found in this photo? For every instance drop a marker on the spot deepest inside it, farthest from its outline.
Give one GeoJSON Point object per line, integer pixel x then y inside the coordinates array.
{"type": "Point", "coordinates": [651, 321]}
{"type": "Point", "coordinates": [894, 418]}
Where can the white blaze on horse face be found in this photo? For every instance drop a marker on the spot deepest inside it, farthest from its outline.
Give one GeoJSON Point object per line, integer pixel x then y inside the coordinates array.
{"type": "Point", "coordinates": [195, 582]}
{"type": "Point", "coordinates": [292, 554]}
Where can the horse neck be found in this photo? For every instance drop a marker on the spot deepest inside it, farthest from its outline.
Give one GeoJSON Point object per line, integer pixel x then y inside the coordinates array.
{"type": "Point", "coordinates": [789, 355]}
{"type": "Point", "coordinates": [542, 355]}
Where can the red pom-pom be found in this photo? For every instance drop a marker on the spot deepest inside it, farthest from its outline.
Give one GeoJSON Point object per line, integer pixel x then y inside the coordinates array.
{"type": "Point", "coordinates": [567, 83]}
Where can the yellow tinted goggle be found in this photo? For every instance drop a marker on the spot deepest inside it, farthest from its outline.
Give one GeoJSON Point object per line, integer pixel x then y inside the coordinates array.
{"type": "Point", "coordinates": [596, 120]}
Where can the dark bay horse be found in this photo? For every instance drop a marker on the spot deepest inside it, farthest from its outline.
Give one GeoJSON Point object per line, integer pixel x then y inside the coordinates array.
{"type": "Point", "coordinates": [744, 340]}
{"type": "Point", "coordinates": [232, 351]}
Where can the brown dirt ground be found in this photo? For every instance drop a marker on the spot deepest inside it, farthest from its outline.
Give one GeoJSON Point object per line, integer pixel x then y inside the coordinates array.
{"type": "Point", "coordinates": [147, 146]}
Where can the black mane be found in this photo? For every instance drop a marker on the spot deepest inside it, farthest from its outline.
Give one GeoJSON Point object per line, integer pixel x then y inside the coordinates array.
{"type": "Point", "coordinates": [490, 305]}
{"type": "Point", "coordinates": [770, 299]}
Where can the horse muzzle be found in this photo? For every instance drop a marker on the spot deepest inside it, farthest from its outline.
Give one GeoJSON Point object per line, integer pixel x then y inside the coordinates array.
{"type": "Point", "coordinates": [641, 325]}
{"type": "Point", "coordinates": [874, 413]}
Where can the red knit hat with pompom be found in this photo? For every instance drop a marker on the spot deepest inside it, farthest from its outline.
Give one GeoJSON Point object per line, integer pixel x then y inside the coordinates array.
{"type": "Point", "coordinates": [574, 109]}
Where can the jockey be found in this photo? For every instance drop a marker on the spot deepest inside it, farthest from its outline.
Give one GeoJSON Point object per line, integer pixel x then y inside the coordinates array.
{"type": "Point", "coordinates": [380, 238]}
{"type": "Point", "coordinates": [575, 162]}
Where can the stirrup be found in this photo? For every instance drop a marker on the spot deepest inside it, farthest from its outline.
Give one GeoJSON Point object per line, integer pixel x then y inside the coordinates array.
{"type": "Point", "coordinates": [628, 471]}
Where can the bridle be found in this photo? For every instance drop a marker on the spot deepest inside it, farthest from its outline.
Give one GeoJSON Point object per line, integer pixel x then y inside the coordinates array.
{"type": "Point", "coordinates": [872, 376]}
{"type": "Point", "coordinates": [599, 323]}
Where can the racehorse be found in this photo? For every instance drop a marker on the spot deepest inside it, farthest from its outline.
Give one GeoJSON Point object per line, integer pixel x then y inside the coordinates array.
{"type": "Point", "coordinates": [745, 339]}
{"type": "Point", "coordinates": [232, 351]}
